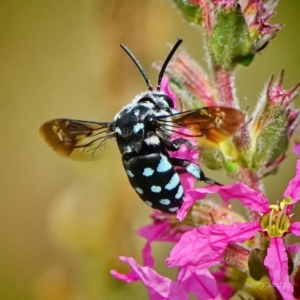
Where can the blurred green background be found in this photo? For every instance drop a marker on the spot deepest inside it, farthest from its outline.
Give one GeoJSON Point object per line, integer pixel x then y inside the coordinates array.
{"type": "Point", "coordinates": [63, 224]}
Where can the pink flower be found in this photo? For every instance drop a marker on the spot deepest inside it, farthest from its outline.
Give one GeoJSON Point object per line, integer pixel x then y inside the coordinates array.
{"type": "Point", "coordinates": [164, 228]}
{"type": "Point", "coordinates": [205, 245]}
{"type": "Point", "coordinates": [257, 14]}
{"type": "Point", "coordinates": [296, 148]}
{"type": "Point", "coordinates": [189, 280]}
{"type": "Point", "coordinates": [164, 87]}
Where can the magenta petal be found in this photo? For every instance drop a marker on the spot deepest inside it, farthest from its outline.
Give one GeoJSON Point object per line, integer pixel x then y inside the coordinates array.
{"type": "Point", "coordinates": [298, 166]}
{"type": "Point", "coordinates": [191, 196]}
{"type": "Point", "coordinates": [293, 188]}
{"type": "Point", "coordinates": [187, 181]}
{"type": "Point", "coordinates": [201, 283]}
{"type": "Point", "coordinates": [296, 149]}
{"type": "Point", "coordinates": [159, 231]}
{"type": "Point", "coordinates": [203, 247]}
{"type": "Point", "coordinates": [253, 199]}
{"type": "Point", "coordinates": [159, 287]}
{"type": "Point", "coordinates": [277, 263]}
{"type": "Point", "coordinates": [225, 290]}
{"type": "Point", "coordinates": [293, 248]}
{"type": "Point", "coordinates": [164, 87]}
{"type": "Point", "coordinates": [129, 277]}
{"type": "Point", "coordinates": [154, 232]}
{"type": "Point", "coordinates": [148, 259]}
{"type": "Point", "coordinates": [295, 228]}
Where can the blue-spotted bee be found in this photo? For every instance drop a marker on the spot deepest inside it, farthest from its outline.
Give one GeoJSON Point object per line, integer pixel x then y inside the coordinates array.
{"type": "Point", "coordinates": [144, 131]}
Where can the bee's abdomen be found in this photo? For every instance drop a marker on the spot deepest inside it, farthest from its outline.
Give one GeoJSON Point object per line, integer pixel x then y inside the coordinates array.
{"type": "Point", "coordinates": [155, 180]}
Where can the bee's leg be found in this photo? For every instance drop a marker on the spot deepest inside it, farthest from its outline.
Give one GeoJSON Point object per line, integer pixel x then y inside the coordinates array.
{"type": "Point", "coordinates": [193, 169]}
{"type": "Point", "coordinates": [176, 144]}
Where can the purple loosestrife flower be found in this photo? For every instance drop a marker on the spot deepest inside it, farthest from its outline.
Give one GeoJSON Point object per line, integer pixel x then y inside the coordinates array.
{"type": "Point", "coordinates": [204, 246]}
{"type": "Point", "coordinates": [189, 280]}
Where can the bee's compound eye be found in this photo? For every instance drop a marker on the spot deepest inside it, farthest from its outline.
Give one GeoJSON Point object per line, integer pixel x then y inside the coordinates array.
{"type": "Point", "coordinates": [146, 100]}
{"type": "Point", "coordinates": [168, 100]}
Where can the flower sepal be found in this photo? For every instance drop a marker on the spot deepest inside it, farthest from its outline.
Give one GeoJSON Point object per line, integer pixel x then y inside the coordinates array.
{"type": "Point", "coordinates": [191, 12]}
{"type": "Point", "coordinates": [229, 42]}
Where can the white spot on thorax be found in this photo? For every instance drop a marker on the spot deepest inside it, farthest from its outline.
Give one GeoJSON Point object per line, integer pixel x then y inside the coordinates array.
{"type": "Point", "coordinates": [130, 174]}
{"type": "Point", "coordinates": [136, 112]}
{"type": "Point", "coordinates": [127, 108]}
{"type": "Point", "coordinates": [174, 181]}
{"type": "Point", "coordinates": [118, 130]}
{"type": "Point", "coordinates": [148, 172]}
{"type": "Point", "coordinates": [164, 164]}
{"type": "Point", "coordinates": [117, 116]}
{"type": "Point", "coordinates": [148, 203]}
{"type": "Point", "coordinates": [128, 149]}
{"type": "Point", "coordinates": [152, 140]}
{"type": "Point", "coordinates": [137, 127]}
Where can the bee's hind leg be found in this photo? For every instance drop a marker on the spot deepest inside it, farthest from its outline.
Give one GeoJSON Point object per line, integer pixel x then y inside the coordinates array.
{"type": "Point", "coordinates": [194, 170]}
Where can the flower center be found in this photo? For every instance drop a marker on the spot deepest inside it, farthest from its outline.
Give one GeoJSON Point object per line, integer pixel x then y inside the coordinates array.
{"type": "Point", "coordinates": [277, 222]}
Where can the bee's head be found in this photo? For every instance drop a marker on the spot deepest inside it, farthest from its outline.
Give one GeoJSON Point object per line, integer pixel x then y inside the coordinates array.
{"type": "Point", "coordinates": [155, 100]}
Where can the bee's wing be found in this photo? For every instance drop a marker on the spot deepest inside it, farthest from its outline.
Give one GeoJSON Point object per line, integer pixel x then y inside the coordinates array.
{"type": "Point", "coordinates": [215, 123]}
{"type": "Point", "coordinates": [79, 140]}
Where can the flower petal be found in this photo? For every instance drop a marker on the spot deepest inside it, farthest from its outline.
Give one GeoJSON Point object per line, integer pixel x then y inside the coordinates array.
{"type": "Point", "coordinates": [253, 199]}
{"type": "Point", "coordinates": [157, 231]}
{"type": "Point", "coordinates": [201, 283]}
{"type": "Point", "coordinates": [165, 87]}
{"type": "Point", "coordinates": [159, 287]}
{"type": "Point", "coordinates": [277, 263]}
{"type": "Point", "coordinates": [295, 228]}
{"type": "Point", "coordinates": [293, 188]}
{"type": "Point", "coordinates": [296, 149]}
{"type": "Point", "coordinates": [131, 276]}
{"type": "Point", "coordinates": [162, 229]}
{"type": "Point", "coordinates": [203, 247]}
{"type": "Point", "coordinates": [191, 196]}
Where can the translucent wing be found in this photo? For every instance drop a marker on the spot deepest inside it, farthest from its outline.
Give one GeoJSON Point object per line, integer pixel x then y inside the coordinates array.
{"type": "Point", "coordinates": [214, 123]}
{"type": "Point", "coordinates": [79, 140]}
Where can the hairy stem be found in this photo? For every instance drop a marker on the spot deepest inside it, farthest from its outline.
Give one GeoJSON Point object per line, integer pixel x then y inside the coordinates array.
{"type": "Point", "coordinates": [225, 87]}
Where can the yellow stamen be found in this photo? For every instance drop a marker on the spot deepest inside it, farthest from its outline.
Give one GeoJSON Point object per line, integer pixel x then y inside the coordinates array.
{"type": "Point", "coordinates": [277, 222]}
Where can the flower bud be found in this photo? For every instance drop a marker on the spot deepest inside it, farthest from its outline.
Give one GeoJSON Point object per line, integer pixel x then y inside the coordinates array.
{"type": "Point", "coordinates": [273, 123]}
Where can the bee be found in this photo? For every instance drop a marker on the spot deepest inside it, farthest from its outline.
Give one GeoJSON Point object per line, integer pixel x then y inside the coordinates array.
{"type": "Point", "coordinates": [144, 131]}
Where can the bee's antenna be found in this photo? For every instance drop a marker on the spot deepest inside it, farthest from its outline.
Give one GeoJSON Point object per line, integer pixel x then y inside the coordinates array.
{"type": "Point", "coordinates": [136, 62]}
{"type": "Point", "coordinates": [167, 60]}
